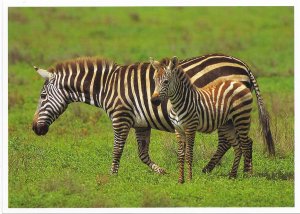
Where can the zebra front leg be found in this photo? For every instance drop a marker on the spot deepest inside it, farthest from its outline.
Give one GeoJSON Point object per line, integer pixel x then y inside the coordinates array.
{"type": "Point", "coordinates": [143, 140]}
{"type": "Point", "coordinates": [190, 137]}
{"type": "Point", "coordinates": [181, 154]}
{"type": "Point", "coordinates": [121, 130]}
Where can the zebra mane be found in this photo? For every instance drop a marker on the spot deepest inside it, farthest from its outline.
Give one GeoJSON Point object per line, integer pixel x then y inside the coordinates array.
{"type": "Point", "coordinates": [90, 61]}
{"type": "Point", "coordinates": [165, 61]}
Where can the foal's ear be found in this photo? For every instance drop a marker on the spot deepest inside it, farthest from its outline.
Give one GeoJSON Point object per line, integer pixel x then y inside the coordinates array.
{"type": "Point", "coordinates": [174, 61]}
{"type": "Point", "coordinates": [155, 64]}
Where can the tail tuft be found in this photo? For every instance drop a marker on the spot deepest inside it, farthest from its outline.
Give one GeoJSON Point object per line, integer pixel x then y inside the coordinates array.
{"type": "Point", "coordinates": [264, 119]}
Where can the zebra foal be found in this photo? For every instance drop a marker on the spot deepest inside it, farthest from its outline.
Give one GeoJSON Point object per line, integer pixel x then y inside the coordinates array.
{"type": "Point", "coordinates": [225, 105]}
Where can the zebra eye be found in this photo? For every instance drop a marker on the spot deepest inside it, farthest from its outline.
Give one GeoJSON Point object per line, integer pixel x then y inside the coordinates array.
{"type": "Point", "coordinates": [43, 96]}
{"type": "Point", "coordinates": [166, 81]}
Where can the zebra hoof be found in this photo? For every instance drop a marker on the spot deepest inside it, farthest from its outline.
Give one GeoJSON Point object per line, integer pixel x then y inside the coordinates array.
{"type": "Point", "coordinates": [248, 173]}
{"type": "Point", "coordinates": [114, 172]}
{"type": "Point", "coordinates": [232, 176]}
{"type": "Point", "coordinates": [161, 171]}
{"type": "Point", "coordinates": [180, 181]}
{"type": "Point", "coordinates": [206, 170]}
{"type": "Point", "coordinates": [158, 170]}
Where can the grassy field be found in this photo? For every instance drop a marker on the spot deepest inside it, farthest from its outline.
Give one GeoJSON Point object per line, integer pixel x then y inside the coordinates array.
{"type": "Point", "coordinates": [69, 167]}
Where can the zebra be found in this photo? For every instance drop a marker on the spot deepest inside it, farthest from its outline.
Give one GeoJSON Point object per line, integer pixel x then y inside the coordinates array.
{"type": "Point", "coordinates": [124, 92]}
{"type": "Point", "coordinates": [225, 105]}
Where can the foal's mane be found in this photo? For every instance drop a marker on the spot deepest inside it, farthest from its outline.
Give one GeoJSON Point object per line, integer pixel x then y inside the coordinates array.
{"type": "Point", "coordinates": [166, 61]}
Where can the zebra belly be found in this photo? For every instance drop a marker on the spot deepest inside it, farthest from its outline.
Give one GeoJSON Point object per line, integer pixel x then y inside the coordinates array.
{"type": "Point", "coordinates": [176, 122]}
{"type": "Point", "coordinates": [213, 125]}
{"type": "Point", "coordinates": [140, 121]}
{"type": "Point", "coordinates": [155, 117]}
{"type": "Point", "coordinates": [177, 125]}
{"type": "Point", "coordinates": [159, 122]}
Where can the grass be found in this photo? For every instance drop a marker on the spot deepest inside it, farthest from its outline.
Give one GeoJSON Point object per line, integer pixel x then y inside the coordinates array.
{"type": "Point", "coordinates": [69, 167]}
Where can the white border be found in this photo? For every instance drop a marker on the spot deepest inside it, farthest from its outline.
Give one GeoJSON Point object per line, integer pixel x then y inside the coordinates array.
{"type": "Point", "coordinates": [89, 3]}
{"type": "Point", "coordinates": [297, 104]}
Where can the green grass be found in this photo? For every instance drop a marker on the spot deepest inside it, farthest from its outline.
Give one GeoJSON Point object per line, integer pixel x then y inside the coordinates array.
{"type": "Point", "coordinates": [69, 167]}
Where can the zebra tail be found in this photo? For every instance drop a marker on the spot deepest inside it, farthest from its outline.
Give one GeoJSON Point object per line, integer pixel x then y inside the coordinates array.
{"type": "Point", "coordinates": [264, 118]}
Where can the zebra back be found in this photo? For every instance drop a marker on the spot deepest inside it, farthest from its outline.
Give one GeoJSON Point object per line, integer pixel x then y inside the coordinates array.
{"type": "Point", "coordinates": [128, 88]}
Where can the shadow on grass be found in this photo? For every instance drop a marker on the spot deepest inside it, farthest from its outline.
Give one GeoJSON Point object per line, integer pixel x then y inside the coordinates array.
{"type": "Point", "coordinates": [268, 175]}
{"type": "Point", "coordinates": [275, 175]}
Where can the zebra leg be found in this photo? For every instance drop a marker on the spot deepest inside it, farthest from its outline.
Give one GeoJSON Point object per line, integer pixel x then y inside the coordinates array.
{"type": "Point", "coordinates": [223, 147]}
{"type": "Point", "coordinates": [241, 128]}
{"type": "Point", "coordinates": [190, 138]}
{"type": "Point", "coordinates": [143, 140]}
{"type": "Point", "coordinates": [247, 151]}
{"type": "Point", "coordinates": [121, 130]}
{"type": "Point", "coordinates": [236, 162]}
{"type": "Point", "coordinates": [181, 154]}
{"type": "Point", "coordinates": [232, 137]}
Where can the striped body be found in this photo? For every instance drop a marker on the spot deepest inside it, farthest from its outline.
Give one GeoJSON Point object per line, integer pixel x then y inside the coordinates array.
{"type": "Point", "coordinates": [124, 92]}
{"type": "Point", "coordinates": [223, 105]}
{"type": "Point", "coordinates": [211, 107]}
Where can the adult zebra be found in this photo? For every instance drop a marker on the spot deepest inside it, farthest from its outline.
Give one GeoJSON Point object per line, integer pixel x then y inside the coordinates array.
{"type": "Point", "coordinates": [124, 92]}
{"type": "Point", "coordinates": [225, 105]}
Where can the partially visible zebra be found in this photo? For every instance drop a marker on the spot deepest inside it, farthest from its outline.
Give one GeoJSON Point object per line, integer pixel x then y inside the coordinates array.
{"type": "Point", "coordinates": [225, 105]}
{"type": "Point", "coordinates": [124, 93]}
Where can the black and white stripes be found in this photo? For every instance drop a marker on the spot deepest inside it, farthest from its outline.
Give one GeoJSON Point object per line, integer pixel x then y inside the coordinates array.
{"type": "Point", "coordinates": [224, 105]}
{"type": "Point", "coordinates": [124, 92]}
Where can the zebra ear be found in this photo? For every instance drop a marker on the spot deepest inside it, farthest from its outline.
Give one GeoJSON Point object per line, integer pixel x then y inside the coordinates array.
{"type": "Point", "coordinates": [155, 64]}
{"type": "Point", "coordinates": [174, 61]}
{"type": "Point", "coordinates": [44, 73]}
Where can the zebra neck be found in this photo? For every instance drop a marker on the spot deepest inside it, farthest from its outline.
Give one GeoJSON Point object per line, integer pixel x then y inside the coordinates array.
{"type": "Point", "coordinates": [182, 93]}
{"type": "Point", "coordinates": [91, 83]}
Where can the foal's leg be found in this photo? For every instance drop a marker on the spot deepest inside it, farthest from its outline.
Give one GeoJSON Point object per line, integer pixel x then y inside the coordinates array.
{"type": "Point", "coordinates": [229, 133]}
{"type": "Point", "coordinates": [241, 127]}
{"type": "Point", "coordinates": [237, 159]}
{"type": "Point", "coordinates": [247, 151]}
{"type": "Point", "coordinates": [190, 138]}
{"type": "Point", "coordinates": [223, 146]}
{"type": "Point", "coordinates": [181, 153]}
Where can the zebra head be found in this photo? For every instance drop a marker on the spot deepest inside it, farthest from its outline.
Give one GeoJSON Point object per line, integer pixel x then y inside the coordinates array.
{"type": "Point", "coordinates": [52, 103]}
{"type": "Point", "coordinates": [163, 77]}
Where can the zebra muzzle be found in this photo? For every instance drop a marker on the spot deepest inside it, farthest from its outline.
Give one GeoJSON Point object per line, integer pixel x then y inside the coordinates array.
{"type": "Point", "coordinates": [40, 129]}
{"type": "Point", "coordinates": [155, 100]}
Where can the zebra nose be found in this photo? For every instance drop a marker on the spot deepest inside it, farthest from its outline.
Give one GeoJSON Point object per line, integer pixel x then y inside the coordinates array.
{"type": "Point", "coordinates": [155, 100]}
{"type": "Point", "coordinates": [40, 129]}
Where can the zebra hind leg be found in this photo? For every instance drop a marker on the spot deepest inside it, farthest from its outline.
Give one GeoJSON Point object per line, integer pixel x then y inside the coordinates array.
{"type": "Point", "coordinates": [232, 137]}
{"type": "Point", "coordinates": [237, 158]}
{"type": "Point", "coordinates": [143, 140]}
{"type": "Point", "coordinates": [241, 127]}
{"type": "Point", "coordinates": [223, 147]}
{"type": "Point", "coordinates": [247, 151]}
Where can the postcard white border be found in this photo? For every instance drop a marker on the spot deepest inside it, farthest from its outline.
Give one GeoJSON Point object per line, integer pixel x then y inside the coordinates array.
{"type": "Point", "coordinates": [105, 3]}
